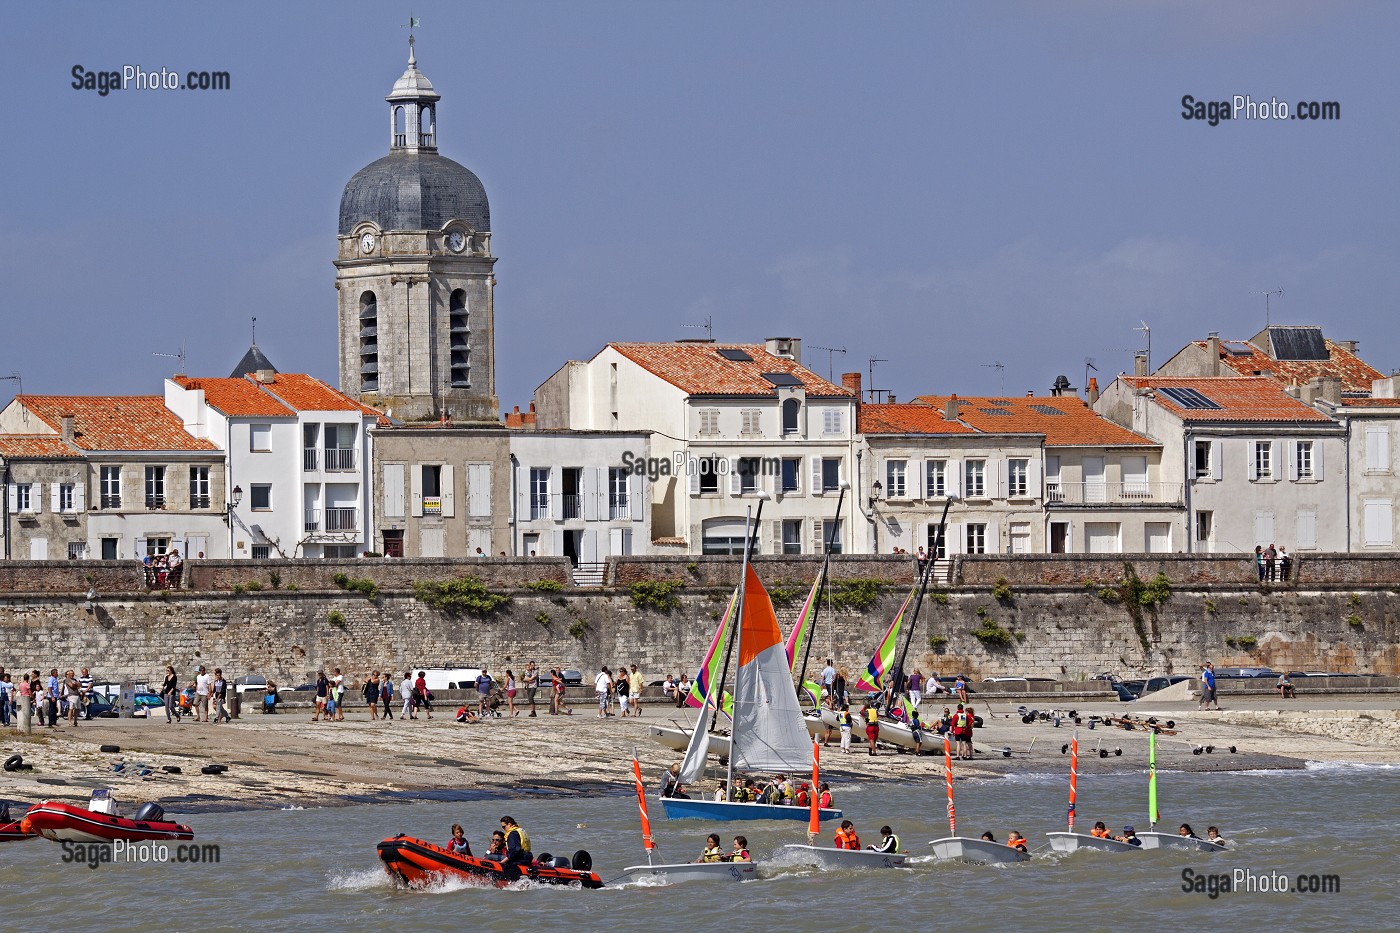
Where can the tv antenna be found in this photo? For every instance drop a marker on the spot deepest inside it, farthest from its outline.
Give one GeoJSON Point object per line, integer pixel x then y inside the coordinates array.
{"type": "Point", "coordinates": [830, 353]}
{"type": "Point", "coordinates": [176, 356]}
{"type": "Point", "coordinates": [708, 327]}
{"type": "Point", "coordinates": [1267, 315]}
{"type": "Point", "coordinates": [1142, 326]}
{"type": "Point", "coordinates": [1000, 367]}
{"type": "Point", "coordinates": [1088, 365]}
{"type": "Point", "coordinates": [872, 390]}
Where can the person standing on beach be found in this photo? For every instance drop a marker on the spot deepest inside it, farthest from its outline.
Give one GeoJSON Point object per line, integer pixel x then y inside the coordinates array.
{"type": "Point", "coordinates": [406, 691]}
{"type": "Point", "coordinates": [371, 694]}
{"type": "Point", "coordinates": [602, 685]}
{"type": "Point", "coordinates": [169, 691]}
{"type": "Point", "coordinates": [1208, 686]}
{"type": "Point", "coordinates": [872, 724]}
{"type": "Point", "coordinates": [532, 685]}
{"type": "Point", "coordinates": [323, 692]}
{"type": "Point", "coordinates": [828, 681]}
{"type": "Point", "coordinates": [510, 694]}
{"type": "Point", "coordinates": [202, 683]}
{"type": "Point", "coordinates": [636, 682]}
{"type": "Point", "coordinates": [425, 697]}
{"type": "Point", "coordinates": [72, 693]}
{"type": "Point", "coordinates": [483, 694]}
{"type": "Point", "coordinates": [916, 683]}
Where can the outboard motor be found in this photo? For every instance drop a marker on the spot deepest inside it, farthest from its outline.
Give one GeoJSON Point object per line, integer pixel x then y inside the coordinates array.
{"type": "Point", "coordinates": [561, 861]}
{"type": "Point", "coordinates": [583, 861]}
{"type": "Point", "coordinates": [5, 812]}
{"type": "Point", "coordinates": [150, 812]}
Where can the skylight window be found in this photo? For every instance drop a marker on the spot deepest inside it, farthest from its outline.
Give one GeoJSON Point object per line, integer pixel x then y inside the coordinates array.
{"type": "Point", "coordinates": [735, 356]}
{"type": "Point", "coordinates": [1189, 398]}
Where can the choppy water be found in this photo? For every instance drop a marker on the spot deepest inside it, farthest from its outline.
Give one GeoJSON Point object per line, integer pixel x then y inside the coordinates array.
{"type": "Point", "coordinates": [318, 866]}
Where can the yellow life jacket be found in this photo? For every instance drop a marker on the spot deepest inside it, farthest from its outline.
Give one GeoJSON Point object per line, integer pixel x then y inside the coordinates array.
{"type": "Point", "coordinates": [872, 716]}
{"type": "Point", "coordinates": [524, 839]}
{"type": "Point", "coordinates": [712, 854]}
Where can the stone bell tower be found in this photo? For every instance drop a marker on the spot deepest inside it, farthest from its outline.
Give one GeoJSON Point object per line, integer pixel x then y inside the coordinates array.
{"type": "Point", "coordinates": [414, 273]}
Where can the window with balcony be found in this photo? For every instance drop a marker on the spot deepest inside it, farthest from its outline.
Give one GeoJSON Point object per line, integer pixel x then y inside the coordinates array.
{"type": "Point", "coordinates": [975, 478]}
{"type": "Point", "coordinates": [111, 487]}
{"type": "Point", "coordinates": [571, 492]}
{"type": "Point", "coordinates": [792, 536]}
{"type": "Point", "coordinates": [340, 447]}
{"type": "Point", "coordinates": [199, 487]}
{"type": "Point", "coordinates": [155, 487]}
{"type": "Point", "coordinates": [260, 497]}
{"type": "Point", "coordinates": [895, 485]}
{"type": "Point", "coordinates": [310, 440]}
{"type": "Point", "coordinates": [936, 478]}
{"type": "Point", "coordinates": [619, 505]}
{"type": "Point", "coordinates": [539, 492]}
{"type": "Point", "coordinates": [1018, 478]}
{"type": "Point", "coordinates": [976, 538]}
{"type": "Point", "coordinates": [791, 474]}
{"type": "Point", "coordinates": [341, 518]}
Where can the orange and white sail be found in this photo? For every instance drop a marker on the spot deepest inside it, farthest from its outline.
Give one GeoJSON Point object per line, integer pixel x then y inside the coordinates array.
{"type": "Point", "coordinates": [769, 732]}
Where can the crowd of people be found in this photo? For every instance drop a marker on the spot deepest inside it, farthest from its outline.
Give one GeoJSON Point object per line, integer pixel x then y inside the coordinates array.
{"type": "Point", "coordinates": [163, 571]}
{"type": "Point", "coordinates": [68, 697]}
{"type": "Point", "coordinates": [1273, 563]}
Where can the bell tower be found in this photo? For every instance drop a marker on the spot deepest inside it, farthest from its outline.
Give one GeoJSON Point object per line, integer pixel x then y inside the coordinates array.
{"type": "Point", "coordinates": [414, 273]}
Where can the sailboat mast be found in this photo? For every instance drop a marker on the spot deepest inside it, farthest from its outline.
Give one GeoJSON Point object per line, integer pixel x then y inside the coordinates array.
{"type": "Point", "coordinates": [821, 588]}
{"type": "Point", "coordinates": [739, 609]}
{"type": "Point", "coordinates": [900, 677]}
{"type": "Point", "coordinates": [750, 522]}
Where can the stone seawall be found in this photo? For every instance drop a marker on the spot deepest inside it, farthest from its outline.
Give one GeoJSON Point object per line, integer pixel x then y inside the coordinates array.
{"type": "Point", "coordinates": [1062, 632]}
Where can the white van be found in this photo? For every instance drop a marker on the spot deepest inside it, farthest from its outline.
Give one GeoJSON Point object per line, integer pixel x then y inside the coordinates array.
{"type": "Point", "coordinates": [451, 678]}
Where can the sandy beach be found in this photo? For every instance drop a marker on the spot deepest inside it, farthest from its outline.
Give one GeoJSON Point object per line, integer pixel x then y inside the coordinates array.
{"type": "Point", "coordinates": [288, 760]}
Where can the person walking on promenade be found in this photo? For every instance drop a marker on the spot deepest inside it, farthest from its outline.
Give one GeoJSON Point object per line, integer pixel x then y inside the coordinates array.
{"type": "Point", "coordinates": [371, 695]}
{"type": "Point", "coordinates": [72, 693]}
{"type": "Point", "coordinates": [169, 691]}
{"type": "Point", "coordinates": [510, 694]}
{"type": "Point", "coordinates": [338, 691]}
{"type": "Point", "coordinates": [6, 691]}
{"type": "Point", "coordinates": [423, 694]}
{"type": "Point", "coordinates": [386, 690]}
{"type": "Point", "coordinates": [218, 695]}
{"type": "Point", "coordinates": [602, 685]}
{"type": "Point", "coordinates": [202, 683]}
{"type": "Point", "coordinates": [636, 683]}
{"type": "Point", "coordinates": [406, 691]}
{"type": "Point", "coordinates": [323, 690]}
{"type": "Point", "coordinates": [84, 691]}
{"type": "Point", "coordinates": [620, 687]}
{"type": "Point", "coordinates": [532, 685]}
{"type": "Point", "coordinates": [483, 694]}
{"type": "Point", "coordinates": [1208, 686]}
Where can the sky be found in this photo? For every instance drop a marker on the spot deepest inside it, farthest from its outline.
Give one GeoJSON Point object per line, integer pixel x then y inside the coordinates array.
{"type": "Point", "coordinates": [981, 196]}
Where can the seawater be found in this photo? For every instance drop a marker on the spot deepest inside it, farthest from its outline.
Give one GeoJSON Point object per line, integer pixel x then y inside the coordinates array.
{"type": "Point", "coordinates": [318, 866]}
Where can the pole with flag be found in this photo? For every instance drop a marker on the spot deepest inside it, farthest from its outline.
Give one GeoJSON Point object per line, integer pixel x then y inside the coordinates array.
{"type": "Point", "coordinates": [948, 773]}
{"type": "Point", "coordinates": [1073, 777]}
{"type": "Point", "coordinates": [1152, 815]}
{"type": "Point", "coordinates": [814, 823]}
{"type": "Point", "coordinates": [647, 840]}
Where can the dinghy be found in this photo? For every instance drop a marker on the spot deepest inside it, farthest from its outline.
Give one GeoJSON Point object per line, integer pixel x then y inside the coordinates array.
{"type": "Point", "coordinates": [100, 822]}
{"type": "Point", "coordinates": [829, 857]}
{"type": "Point", "coordinates": [418, 865]}
{"type": "Point", "coordinates": [10, 829]}
{"type": "Point", "coordinates": [1072, 841]}
{"type": "Point", "coordinates": [678, 872]}
{"type": "Point", "coordinates": [1156, 840]}
{"type": "Point", "coordinates": [964, 848]}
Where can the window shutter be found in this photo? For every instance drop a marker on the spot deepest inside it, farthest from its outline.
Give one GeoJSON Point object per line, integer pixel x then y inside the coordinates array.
{"type": "Point", "coordinates": [694, 477]}
{"type": "Point", "coordinates": [1033, 479]}
{"type": "Point", "coordinates": [1383, 449]}
{"type": "Point", "coordinates": [1216, 460]}
{"type": "Point", "coordinates": [1384, 526]}
{"type": "Point", "coordinates": [53, 498]}
{"type": "Point", "coordinates": [415, 493]}
{"type": "Point", "coordinates": [735, 481]}
{"type": "Point", "coordinates": [558, 543]}
{"type": "Point", "coordinates": [448, 487]}
{"type": "Point", "coordinates": [953, 534]}
{"type": "Point", "coordinates": [1253, 465]}
{"type": "Point", "coordinates": [1291, 449]}
{"type": "Point", "coordinates": [1275, 468]}
{"type": "Point", "coordinates": [1307, 530]}
{"type": "Point", "coordinates": [817, 478]}
{"type": "Point", "coordinates": [635, 491]}
{"type": "Point", "coordinates": [13, 491]}
{"type": "Point", "coordinates": [1001, 470]}
{"type": "Point", "coordinates": [79, 498]}
{"type": "Point", "coordinates": [775, 536]}
{"type": "Point", "coordinates": [1317, 458]}
{"type": "Point", "coordinates": [952, 478]}
{"type": "Point", "coordinates": [993, 538]}
{"type": "Point", "coordinates": [140, 548]}
{"type": "Point", "coordinates": [556, 499]}
{"type": "Point", "coordinates": [590, 546]}
{"type": "Point", "coordinates": [913, 479]}
{"type": "Point", "coordinates": [590, 493]}
{"type": "Point", "coordinates": [818, 537]}
{"type": "Point", "coordinates": [393, 490]}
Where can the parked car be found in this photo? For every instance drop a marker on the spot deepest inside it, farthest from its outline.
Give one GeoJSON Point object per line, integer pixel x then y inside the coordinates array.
{"type": "Point", "coordinates": [1139, 687]}
{"type": "Point", "coordinates": [572, 677]}
{"type": "Point", "coordinates": [1239, 673]}
{"type": "Point", "coordinates": [253, 683]}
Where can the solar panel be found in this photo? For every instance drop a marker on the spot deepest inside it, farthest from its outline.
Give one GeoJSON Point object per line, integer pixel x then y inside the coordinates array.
{"type": "Point", "coordinates": [1238, 348]}
{"type": "Point", "coordinates": [998, 401]}
{"type": "Point", "coordinates": [1188, 398]}
{"type": "Point", "coordinates": [994, 411]}
{"type": "Point", "coordinates": [1298, 343]}
{"type": "Point", "coordinates": [735, 356]}
{"type": "Point", "coordinates": [782, 379]}
{"type": "Point", "coordinates": [1046, 410]}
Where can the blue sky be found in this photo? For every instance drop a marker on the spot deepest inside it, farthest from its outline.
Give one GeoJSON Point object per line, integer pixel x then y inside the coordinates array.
{"type": "Point", "coordinates": [943, 185]}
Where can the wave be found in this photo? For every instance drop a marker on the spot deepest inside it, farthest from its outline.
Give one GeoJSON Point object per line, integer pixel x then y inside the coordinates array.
{"type": "Point", "coordinates": [366, 879]}
{"type": "Point", "coordinates": [1334, 767]}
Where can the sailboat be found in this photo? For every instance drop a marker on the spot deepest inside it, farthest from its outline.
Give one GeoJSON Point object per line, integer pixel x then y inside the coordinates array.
{"type": "Point", "coordinates": [799, 641]}
{"type": "Point", "coordinates": [1156, 840]}
{"type": "Point", "coordinates": [1071, 841]}
{"type": "Point", "coordinates": [677, 872]}
{"type": "Point", "coordinates": [830, 856]}
{"type": "Point", "coordinates": [710, 671]}
{"type": "Point", "coordinates": [768, 734]}
{"type": "Point", "coordinates": [962, 847]}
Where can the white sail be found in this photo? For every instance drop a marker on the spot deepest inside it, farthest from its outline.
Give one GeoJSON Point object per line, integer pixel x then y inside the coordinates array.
{"type": "Point", "coordinates": [769, 731]}
{"type": "Point", "coordinates": [693, 766]}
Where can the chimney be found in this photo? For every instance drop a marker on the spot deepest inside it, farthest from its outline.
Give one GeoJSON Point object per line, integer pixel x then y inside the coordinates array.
{"type": "Point", "coordinates": [788, 348]}
{"type": "Point", "coordinates": [267, 376]}
{"type": "Point", "coordinates": [950, 408]}
{"type": "Point", "coordinates": [66, 432]}
{"type": "Point", "coordinates": [892, 399]}
{"type": "Point", "coordinates": [1327, 389]}
{"type": "Point", "coordinates": [1385, 388]}
{"type": "Point", "coordinates": [1140, 364]}
{"type": "Point", "coordinates": [1348, 345]}
{"type": "Point", "coordinates": [852, 381]}
{"type": "Point", "coordinates": [1061, 386]}
{"type": "Point", "coordinates": [1212, 354]}
{"type": "Point", "coordinates": [1093, 390]}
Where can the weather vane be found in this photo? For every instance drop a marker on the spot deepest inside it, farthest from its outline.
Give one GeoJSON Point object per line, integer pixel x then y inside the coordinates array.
{"type": "Point", "coordinates": [412, 24]}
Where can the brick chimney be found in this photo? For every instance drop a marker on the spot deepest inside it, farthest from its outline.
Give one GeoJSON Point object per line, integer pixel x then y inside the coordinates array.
{"type": "Point", "coordinates": [950, 408]}
{"type": "Point", "coordinates": [852, 381]}
{"type": "Point", "coordinates": [1212, 354]}
{"type": "Point", "coordinates": [66, 431]}
{"type": "Point", "coordinates": [1140, 364]}
{"type": "Point", "coordinates": [1093, 390]}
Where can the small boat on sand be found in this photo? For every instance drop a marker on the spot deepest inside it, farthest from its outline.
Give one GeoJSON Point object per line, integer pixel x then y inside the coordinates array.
{"type": "Point", "coordinates": [100, 822]}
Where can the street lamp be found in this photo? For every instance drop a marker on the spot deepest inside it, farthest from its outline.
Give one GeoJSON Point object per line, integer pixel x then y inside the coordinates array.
{"type": "Point", "coordinates": [237, 496]}
{"type": "Point", "coordinates": [875, 491]}
{"type": "Point", "coordinates": [90, 598]}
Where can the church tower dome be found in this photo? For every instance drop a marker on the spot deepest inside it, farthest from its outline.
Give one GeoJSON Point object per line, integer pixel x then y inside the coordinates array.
{"type": "Point", "coordinates": [415, 272]}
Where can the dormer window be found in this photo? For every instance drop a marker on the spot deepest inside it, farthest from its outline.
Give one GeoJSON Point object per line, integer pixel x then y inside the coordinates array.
{"type": "Point", "coordinates": [792, 409]}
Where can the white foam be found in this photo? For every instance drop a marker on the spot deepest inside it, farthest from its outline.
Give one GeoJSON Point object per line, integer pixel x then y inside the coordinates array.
{"type": "Point", "coordinates": [366, 879]}
{"type": "Point", "coordinates": [1334, 767]}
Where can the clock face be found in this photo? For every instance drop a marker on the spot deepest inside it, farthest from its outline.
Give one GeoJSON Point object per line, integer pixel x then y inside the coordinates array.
{"type": "Point", "coordinates": [367, 243]}
{"type": "Point", "coordinates": [456, 240]}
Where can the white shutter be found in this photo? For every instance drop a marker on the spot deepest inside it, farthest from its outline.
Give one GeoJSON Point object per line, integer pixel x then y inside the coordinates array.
{"type": "Point", "coordinates": [1001, 470]}
{"type": "Point", "coordinates": [393, 490]}
{"type": "Point", "coordinates": [140, 549]}
{"type": "Point", "coordinates": [79, 497]}
{"type": "Point", "coordinates": [1307, 530]}
{"type": "Point", "coordinates": [993, 538]}
{"type": "Point", "coordinates": [914, 478]}
{"type": "Point", "coordinates": [53, 498]}
{"type": "Point", "coordinates": [1291, 452]}
{"type": "Point", "coordinates": [735, 481]}
{"type": "Point", "coordinates": [13, 491]}
{"type": "Point", "coordinates": [635, 490]}
{"type": "Point", "coordinates": [478, 490]}
{"type": "Point", "coordinates": [953, 534]}
{"type": "Point", "coordinates": [38, 548]}
{"type": "Point", "coordinates": [818, 537]}
{"type": "Point", "coordinates": [817, 478]}
{"type": "Point", "coordinates": [1383, 449]}
{"type": "Point", "coordinates": [1317, 458]}
{"type": "Point", "coordinates": [775, 536]}
{"type": "Point", "coordinates": [615, 542]}
{"type": "Point", "coordinates": [556, 499]}
{"type": "Point", "coordinates": [694, 478]}
{"type": "Point", "coordinates": [1252, 456]}
{"type": "Point", "coordinates": [558, 543]}
{"type": "Point", "coordinates": [1275, 468]}
{"type": "Point", "coordinates": [952, 478]}
{"type": "Point", "coordinates": [1033, 479]}
{"type": "Point", "coordinates": [590, 547]}
{"type": "Point", "coordinates": [449, 490]}
{"type": "Point", "coordinates": [589, 494]}
{"type": "Point", "coordinates": [1216, 461]}
{"type": "Point", "coordinates": [415, 490]}
{"type": "Point", "coordinates": [1264, 527]}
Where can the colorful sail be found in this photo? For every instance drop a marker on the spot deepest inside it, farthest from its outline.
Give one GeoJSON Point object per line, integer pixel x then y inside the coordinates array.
{"type": "Point", "coordinates": [1073, 777]}
{"type": "Point", "coordinates": [1152, 815]}
{"type": "Point", "coordinates": [814, 822]}
{"type": "Point", "coordinates": [712, 667]}
{"type": "Point", "coordinates": [800, 635]}
{"type": "Point", "coordinates": [948, 774]}
{"type": "Point", "coordinates": [647, 840]}
{"type": "Point", "coordinates": [883, 659]}
{"type": "Point", "coordinates": [769, 732]}
{"type": "Point", "coordinates": [693, 765]}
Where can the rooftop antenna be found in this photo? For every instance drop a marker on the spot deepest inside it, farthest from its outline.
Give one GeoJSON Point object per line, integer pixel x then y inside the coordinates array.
{"type": "Point", "coordinates": [830, 353]}
{"type": "Point", "coordinates": [175, 356]}
{"type": "Point", "coordinates": [872, 390]}
{"type": "Point", "coordinates": [1268, 322]}
{"type": "Point", "coordinates": [1000, 367]}
{"type": "Point", "coordinates": [1088, 365]}
{"type": "Point", "coordinates": [708, 327]}
{"type": "Point", "coordinates": [1142, 326]}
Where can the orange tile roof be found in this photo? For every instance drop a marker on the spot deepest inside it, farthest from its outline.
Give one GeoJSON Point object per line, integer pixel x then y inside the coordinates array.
{"type": "Point", "coordinates": [1370, 402]}
{"type": "Point", "coordinates": [1355, 373]}
{"type": "Point", "coordinates": [698, 369]}
{"type": "Point", "coordinates": [36, 446]}
{"type": "Point", "coordinates": [908, 418]}
{"type": "Point", "coordinates": [115, 422]}
{"type": "Point", "coordinates": [1248, 398]}
{"type": "Point", "coordinates": [307, 393]}
{"type": "Point", "coordinates": [237, 398]}
{"type": "Point", "coordinates": [1065, 420]}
